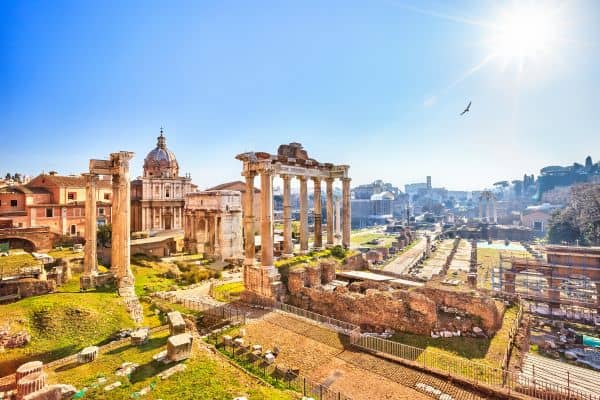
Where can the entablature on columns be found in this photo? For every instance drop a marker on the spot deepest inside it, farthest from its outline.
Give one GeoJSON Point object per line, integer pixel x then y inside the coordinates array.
{"type": "Point", "coordinates": [118, 164]}
{"type": "Point", "coordinates": [255, 164]}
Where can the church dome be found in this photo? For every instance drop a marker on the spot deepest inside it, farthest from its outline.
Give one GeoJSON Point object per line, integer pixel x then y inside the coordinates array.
{"type": "Point", "coordinates": [160, 161]}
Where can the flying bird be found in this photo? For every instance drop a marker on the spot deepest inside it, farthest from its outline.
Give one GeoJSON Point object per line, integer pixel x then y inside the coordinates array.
{"type": "Point", "coordinates": [466, 109]}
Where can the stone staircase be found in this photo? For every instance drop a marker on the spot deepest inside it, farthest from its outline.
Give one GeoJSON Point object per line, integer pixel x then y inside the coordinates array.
{"type": "Point", "coordinates": [132, 303]}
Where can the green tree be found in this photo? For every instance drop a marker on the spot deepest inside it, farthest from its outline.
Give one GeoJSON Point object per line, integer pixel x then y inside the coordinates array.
{"type": "Point", "coordinates": [563, 228]}
{"type": "Point", "coordinates": [580, 220]}
{"type": "Point", "coordinates": [104, 234]}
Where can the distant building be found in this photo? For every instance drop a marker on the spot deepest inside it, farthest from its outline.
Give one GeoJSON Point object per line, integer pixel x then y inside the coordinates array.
{"type": "Point", "coordinates": [536, 217]}
{"type": "Point", "coordinates": [157, 198]}
{"type": "Point", "coordinates": [240, 186]}
{"type": "Point", "coordinates": [53, 201]}
{"type": "Point", "coordinates": [376, 203]}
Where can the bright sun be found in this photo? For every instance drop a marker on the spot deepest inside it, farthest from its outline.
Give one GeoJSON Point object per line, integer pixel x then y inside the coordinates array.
{"type": "Point", "coordinates": [524, 32]}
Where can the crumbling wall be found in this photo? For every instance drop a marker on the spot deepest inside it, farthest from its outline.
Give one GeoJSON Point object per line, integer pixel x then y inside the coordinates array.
{"type": "Point", "coordinates": [376, 310]}
{"type": "Point", "coordinates": [473, 303]}
{"type": "Point", "coordinates": [356, 262]}
{"type": "Point", "coordinates": [375, 306]}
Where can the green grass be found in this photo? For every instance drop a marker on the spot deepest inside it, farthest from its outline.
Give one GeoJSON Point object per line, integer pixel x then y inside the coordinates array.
{"type": "Point", "coordinates": [206, 377]}
{"type": "Point", "coordinates": [13, 262]}
{"type": "Point", "coordinates": [481, 350]}
{"type": "Point", "coordinates": [151, 276]}
{"type": "Point", "coordinates": [61, 324]}
{"type": "Point", "coordinates": [66, 253]}
{"type": "Point", "coordinates": [362, 239]}
{"type": "Point", "coordinates": [228, 291]}
{"type": "Point", "coordinates": [489, 259]}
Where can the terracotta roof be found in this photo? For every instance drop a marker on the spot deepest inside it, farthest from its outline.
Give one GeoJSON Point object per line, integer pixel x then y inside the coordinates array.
{"type": "Point", "coordinates": [23, 189]}
{"type": "Point", "coordinates": [235, 185]}
{"type": "Point", "coordinates": [45, 180]}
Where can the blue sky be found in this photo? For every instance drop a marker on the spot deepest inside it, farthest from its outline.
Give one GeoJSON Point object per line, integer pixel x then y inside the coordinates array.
{"type": "Point", "coordinates": [374, 84]}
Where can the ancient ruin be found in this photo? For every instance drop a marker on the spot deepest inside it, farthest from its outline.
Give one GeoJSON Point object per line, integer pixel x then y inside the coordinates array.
{"type": "Point", "coordinates": [489, 199]}
{"type": "Point", "coordinates": [118, 168]}
{"type": "Point", "coordinates": [213, 224]}
{"type": "Point", "coordinates": [377, 306]}
{"type": "Point", "coordinates": [290, 161]}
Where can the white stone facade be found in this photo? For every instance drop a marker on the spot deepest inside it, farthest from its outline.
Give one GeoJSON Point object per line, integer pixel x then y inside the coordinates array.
{"type": "Point", "coordinates": [213, 224]}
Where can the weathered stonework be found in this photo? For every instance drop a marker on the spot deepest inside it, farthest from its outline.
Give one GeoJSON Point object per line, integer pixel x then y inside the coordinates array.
{"type": "Point", "coordinates": [375, 306]}
{"type": "Point", "coordinates": [213, 224]}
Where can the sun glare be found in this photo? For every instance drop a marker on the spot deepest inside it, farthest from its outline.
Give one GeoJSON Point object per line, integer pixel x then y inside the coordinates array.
{"type": "Point", "coordinates": [524, 32]}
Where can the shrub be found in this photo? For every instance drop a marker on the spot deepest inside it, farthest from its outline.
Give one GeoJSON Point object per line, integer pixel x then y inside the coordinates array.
{"type": "Point", "coordinates": [338, 252]}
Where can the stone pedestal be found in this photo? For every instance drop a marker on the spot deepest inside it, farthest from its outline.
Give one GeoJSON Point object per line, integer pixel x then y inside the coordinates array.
{"type": "Point", "coordinates": [176, 323]}
{"type": "Point", "coordinates": [30, 384]}
{"type": "Point", "coordinates": [88, 354]}
{"type": "Point", "coordinates": [179, 347]}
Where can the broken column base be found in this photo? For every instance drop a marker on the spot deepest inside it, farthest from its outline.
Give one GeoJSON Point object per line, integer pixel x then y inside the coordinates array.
{"type": "Point", "coordinates": [262, 281]}
{"type": "Point", "coordinates": [95, 280]}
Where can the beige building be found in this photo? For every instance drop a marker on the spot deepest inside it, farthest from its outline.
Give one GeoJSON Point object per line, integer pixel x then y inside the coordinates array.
{"type": "Point", "coordinates": [241, 187]}
{"type": "Point", "coordinates": [213, 224]}
{"type": "Point", "coordinates": [157, 198]}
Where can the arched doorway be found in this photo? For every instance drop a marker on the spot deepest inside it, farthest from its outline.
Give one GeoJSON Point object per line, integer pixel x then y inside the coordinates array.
{"type": "Point", "coordinates": [18, 243]}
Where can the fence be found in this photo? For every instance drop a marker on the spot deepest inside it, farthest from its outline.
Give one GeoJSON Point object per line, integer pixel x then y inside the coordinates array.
{"type": "Point", "coordinates": [434, 361]}
{"type": "Point", "coordinates": [477, 372]}
{"type": "Point", "coordinates": [511, 336]}
{"type": "Point", "coordinates": [335, 324]}
{"type": "Point", "coordinates": [278, 376]}
{"type": "Point", "coordinates": [223, 312]}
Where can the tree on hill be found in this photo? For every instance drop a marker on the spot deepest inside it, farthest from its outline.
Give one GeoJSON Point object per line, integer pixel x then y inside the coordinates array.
{"type": "Point", "coordinates": [580, 220]}
{"type": "Point", "coordinates": [104, 235]}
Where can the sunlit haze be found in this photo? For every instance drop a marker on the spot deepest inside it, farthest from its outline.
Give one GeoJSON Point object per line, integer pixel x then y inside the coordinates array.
{"type": "Point", "coordinates": [376, 85]}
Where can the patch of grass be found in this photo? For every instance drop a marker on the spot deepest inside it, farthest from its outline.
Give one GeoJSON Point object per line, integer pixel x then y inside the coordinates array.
{"type": "Point", "coordinates": [12, 263]}
{"type": "Point", "coordinates": [228, 292]}
{"type": "Point", "coordinates": [61, 324]}
{"type": "Point", "coordinates": [206, 377]}
{"type": "Point", "coordinates": [151, 275]}
{"type": "Point", "coordinates": [65, 253]}
{"type": "Point", "coordinates": [481, 350]}
{"type": "Point", "coordinates": [489, 259]}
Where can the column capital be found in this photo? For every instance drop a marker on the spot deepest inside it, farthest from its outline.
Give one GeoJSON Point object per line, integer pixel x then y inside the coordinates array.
{"type": "Point", "coordinates": [285, 177]}
{"type": "Point", "coordinates": [346, 179]}
{"type": "Point", "coordinates": [249, 174]}
{"type": "Point", "coordinates": [316, 180]}
{"type": "Point", "coordinates": [90, 177]}
{"type": "Point", "coordinates": [329, 180]}
{"type": "Point", "coordinates": [302, 178]}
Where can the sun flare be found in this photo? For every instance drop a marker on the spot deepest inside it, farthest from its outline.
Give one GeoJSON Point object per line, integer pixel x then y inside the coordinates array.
{"type": "Point", "coordinates": [525, 32]}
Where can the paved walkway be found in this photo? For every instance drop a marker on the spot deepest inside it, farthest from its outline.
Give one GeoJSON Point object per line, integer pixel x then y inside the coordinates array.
{"type": "Point", "coordinates": [547, 371]}
{"type": "Point", "coordinates": [404, 261]}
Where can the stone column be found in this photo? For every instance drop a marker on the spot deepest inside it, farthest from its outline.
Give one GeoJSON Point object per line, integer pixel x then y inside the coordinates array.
{"type": "Point", "coordinates": [480, 209]}
{"type": "Point", "coordinates": [90, 257]}
{"type": "Point", "coordinates": [121, 223]}
{"type": "Point", "coordinates": [338, 221]}
{"type": "Point", "coordinates": [318, 243]}
{"type": "Point", "coordinates": [248, 210]}
{"type": "Point", "coordinates": [346, 215]}
{"type": "Point", "coordinates": [488, 215]}
{"type": "Point", "coordinates": [330, 218]}
{"type": "Point", "coordinates": [266, 219]}
{"type": "Point", "coordinates": [303, 215]}
{"type": "Point", "coordinates": [495, 213]}
{"type": "Point", "coordinates": [288, 247]}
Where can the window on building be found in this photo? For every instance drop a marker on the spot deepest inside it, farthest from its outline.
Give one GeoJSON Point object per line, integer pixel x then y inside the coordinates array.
{"type": "Point", "coordinates": [13, 203]}
{"type": "Point", "coordinates": [106, 196]}
{"type": "Point", "coordinates": [72, 196]}
{"type": "Point", "coordinates": [49, 213]}
{"type": "Point", "coordinates": [73, 230]}
{"type": "Point", "coordinates": [101, 211]}
{"type": "Point", "coordinates": [167, 192]}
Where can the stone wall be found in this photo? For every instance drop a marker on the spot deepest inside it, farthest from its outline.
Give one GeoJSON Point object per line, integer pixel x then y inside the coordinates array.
{"type": "Point", "coordinates": [28, 287]}
{"type": "Point", "coordinates": [355, 262]}
{"type": "Point", "coordinates": [375, 306]}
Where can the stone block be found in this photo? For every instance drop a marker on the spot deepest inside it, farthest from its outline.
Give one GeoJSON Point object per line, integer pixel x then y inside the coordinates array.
{"type": "Point", "coordinates": [88, 354]}
{"type": "Point", "coordinates": [179, 347]}
{"type": "Point", "coordinates": [176, 323]}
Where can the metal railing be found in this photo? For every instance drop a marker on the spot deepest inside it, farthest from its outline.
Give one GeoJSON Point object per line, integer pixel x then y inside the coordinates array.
{"type": "Point", "coordinates": [457, 367]}
{"type": "Point", "coordinates": [278, 376]}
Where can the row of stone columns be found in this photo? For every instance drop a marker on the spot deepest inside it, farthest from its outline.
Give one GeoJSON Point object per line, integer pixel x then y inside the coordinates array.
{"type": "Point", "coordinates": [266, 231]}
{"type": "Point", "coordinates": [491, 216]}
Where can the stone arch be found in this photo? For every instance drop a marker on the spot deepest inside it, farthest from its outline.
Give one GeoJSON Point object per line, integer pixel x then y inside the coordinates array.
{"type": "Point", "coordinates": [15, 242]}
